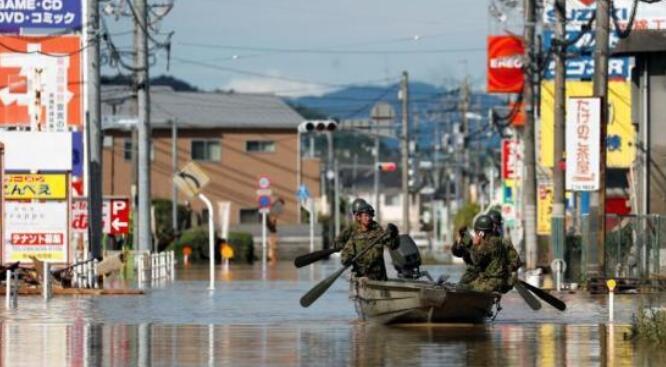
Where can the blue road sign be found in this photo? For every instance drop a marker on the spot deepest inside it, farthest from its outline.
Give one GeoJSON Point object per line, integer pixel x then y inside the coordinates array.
{"type": "Point", "coordinates": [303, 193]}
{"type": "Point", "coordinates": [264, 201]}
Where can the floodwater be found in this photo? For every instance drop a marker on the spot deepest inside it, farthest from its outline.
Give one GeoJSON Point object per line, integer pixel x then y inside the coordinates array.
{"type": "Point", "coordinates": [254, 319]}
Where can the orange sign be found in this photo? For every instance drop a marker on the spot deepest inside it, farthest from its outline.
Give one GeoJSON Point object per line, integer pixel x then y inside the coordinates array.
{"type": "Point", "coordinates": [40, 82]}
{"type": "Point", "coordinates": [505, 64]}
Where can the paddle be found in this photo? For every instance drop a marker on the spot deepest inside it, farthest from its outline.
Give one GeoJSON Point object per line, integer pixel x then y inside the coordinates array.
{"type": "Point", "coordinates": [545, 296]}
{"type": "Point", "coordinates": [308, 259]}
{"type": "Point", "coordinates": [321, 287]}
{"type": "Point", "coordinates": [528, 297]}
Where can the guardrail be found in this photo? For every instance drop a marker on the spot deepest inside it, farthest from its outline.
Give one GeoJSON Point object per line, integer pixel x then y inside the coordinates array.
{"type": "Point", "coordinates": [155, 267]}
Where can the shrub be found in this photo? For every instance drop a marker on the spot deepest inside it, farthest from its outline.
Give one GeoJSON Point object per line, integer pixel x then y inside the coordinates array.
{"type": "Point", "coordinates": [197, 239]}
{"type": "Point", "coordinates": [163, 223]}
{"type": "Point", "coordinates": [243, 246]}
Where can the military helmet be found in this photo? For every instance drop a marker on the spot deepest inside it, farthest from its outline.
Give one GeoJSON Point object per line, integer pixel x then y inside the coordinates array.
{"type": "Point", "coordinates": [483, 223]}
{"type": "Point", "coordinates": [365, 208]}
{"type": "Point", "coordinates": [495, 216]}
{"type": "Point", "coordinates": [357, 204]}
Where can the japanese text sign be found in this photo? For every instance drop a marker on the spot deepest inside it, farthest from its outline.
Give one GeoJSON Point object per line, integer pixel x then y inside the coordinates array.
{"type": "Point", "coordinates": [115, 216]}
{"type": "Point", "coordinates": [21, 14]}
{"type": "Point", "coordinates": [512, 157]}
{"type": "Point", "coordinates": [582, 143]}
{"type": "Point", "coordinates": [36, 229]}
{"type": "Point", "coordinates": [35, 186]}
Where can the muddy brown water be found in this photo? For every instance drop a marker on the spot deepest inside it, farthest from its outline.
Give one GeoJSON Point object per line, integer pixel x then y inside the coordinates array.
{"type": "Point", "coordinates": [254, 319]}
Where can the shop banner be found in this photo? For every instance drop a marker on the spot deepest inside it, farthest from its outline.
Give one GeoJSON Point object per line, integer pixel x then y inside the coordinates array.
{"type": "Point", "coordinates": [35, 229]}
{"type": "Point", "coordinates": [35, 186]}
{"type": "Point", "coordinates": [582, 143]}
{"type": "Point", "coordinates": [505, 64]}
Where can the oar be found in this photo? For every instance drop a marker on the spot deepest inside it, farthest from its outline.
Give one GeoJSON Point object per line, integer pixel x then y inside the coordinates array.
{"type": "Point", "coordinates": [545, 296]}
{"type": "Point", "coordinates": [308, 259]}
{"type": "Point", "coordinates": [321, 287]}
{"type": "Point", "coordinates": [528, 297]}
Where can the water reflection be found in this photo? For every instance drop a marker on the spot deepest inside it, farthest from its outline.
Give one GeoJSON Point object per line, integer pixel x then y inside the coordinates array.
{"type": "Point", "coordinates": [357, 344]}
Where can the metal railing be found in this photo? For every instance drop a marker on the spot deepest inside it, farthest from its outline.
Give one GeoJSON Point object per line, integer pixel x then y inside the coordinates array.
{"type": "Point", "coordinates": [155, 267]}
{"type": "Point", "coordinates": [84, 274]}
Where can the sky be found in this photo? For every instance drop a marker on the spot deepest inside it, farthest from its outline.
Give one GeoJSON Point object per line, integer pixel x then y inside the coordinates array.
{"type": "Point", "coordinates": [309, 47]}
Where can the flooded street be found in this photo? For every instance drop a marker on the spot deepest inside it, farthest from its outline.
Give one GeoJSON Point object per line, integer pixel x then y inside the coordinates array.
{"type": "Point", "coordinates": [254, 319]}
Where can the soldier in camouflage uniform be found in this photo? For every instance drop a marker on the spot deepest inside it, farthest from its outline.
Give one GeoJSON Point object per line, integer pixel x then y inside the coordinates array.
{"type": "Point", "coordinates": [489, 255]}
{"type": "Point", "coordinates": [462, 247]}
{"type": "Point", "coordinates": [512, 257]}
{"type": "Point", "coordinates": [345, 234]}
{"type": "Point", "coordinates": [371, 264]}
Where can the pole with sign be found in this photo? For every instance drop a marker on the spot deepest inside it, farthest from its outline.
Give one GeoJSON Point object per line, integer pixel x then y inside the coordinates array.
{"type": "Point", "coordinates": [264, 200]}
{"type": "Point", "coordinates": [191, 180]}
{"type": "Point", "coordinates": [303, 195]}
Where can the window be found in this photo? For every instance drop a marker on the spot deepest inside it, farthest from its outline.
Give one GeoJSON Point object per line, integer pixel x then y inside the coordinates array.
{"type": "Point", "coordinates": [249, 215]}
{"type": "Point", "coordinates": [260, 146]}
{"type": "Point", "coordinates": [206, 150]}
{"type": "Point", "coordinates": [127, 149]}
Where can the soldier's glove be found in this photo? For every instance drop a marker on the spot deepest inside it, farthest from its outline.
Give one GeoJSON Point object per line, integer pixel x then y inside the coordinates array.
{"type": "Point", "coordinates": [392, 230]}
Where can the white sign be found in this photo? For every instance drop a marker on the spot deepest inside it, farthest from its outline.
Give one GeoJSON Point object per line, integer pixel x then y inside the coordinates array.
{"type": "Point", "coordinates": [36, 229]}
{"type": "Point", "coordinates": [579, 12]}
{"type": "Point", "coordinates": [225, 210]}
{"type": "Point", "coordinates": [582, 143]}
{"type": "Point", "coordinates": [264, 182]}
{"type": "Point", "coordinates": [37, 151]}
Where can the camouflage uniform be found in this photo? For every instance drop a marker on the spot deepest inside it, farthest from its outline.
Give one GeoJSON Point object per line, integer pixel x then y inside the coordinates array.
{"type": "Point", "coordinates": [490, 256]}
{"type": "Point", "coordinates": [463, 248]}
{"type": "Point", "coordinates": [513, 262]}
{"type": "Point", "coordinates": [344, 236]}
{"type": "Point", "coordinates": [371, 264]}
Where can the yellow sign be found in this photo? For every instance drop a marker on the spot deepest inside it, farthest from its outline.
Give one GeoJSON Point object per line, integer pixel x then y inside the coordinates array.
{"type": "Point", "coordinates": [35, 186]}
{"type": "Point", "coordinates": [611, 284]}
{"type": "Point", "coordinates": [544, 209]}
{"type": "Point", "coordinates": [621, 135]}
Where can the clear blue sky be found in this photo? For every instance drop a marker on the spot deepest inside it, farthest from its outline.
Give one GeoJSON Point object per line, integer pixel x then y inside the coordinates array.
{"type": "Point", "coordinates": [311, 46]}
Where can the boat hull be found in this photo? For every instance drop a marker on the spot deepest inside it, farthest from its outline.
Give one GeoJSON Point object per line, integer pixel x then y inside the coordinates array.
{"type": "Point", "coordinates": [411, 301]}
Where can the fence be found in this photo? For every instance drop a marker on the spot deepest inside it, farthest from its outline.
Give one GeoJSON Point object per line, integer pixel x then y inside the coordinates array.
{"type": "Point", "coordinates": [155, 267]}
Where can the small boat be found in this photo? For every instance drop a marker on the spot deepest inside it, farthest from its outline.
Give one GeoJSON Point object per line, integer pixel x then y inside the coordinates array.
{"type": "Point", "coordinates": [401, 301]}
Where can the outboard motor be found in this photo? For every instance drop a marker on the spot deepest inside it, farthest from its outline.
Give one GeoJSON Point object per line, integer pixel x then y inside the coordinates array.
{"type": "Point", "coordinates": [406, 259]}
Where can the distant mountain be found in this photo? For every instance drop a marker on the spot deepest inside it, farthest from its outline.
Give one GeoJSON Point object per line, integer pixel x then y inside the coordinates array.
{"type": "Point", "coordinates": [162, 80]}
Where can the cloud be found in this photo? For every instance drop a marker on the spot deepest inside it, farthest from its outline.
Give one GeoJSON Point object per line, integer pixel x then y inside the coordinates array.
{"type": "Point", "coordinates": [280, 87]}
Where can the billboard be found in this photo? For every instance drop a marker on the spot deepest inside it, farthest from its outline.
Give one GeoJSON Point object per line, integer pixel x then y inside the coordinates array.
{"type": "Point", "coordinates": [512, 159]}
{"type": "Point", "coordinates": [45, 14]}
{"type": "Point", "coordinates": [621, 135]}
{"type": "Point", "coordinates": [35, 186]}
{"type": "Point", "coordinates": [505, 64]}
{"type": "Point", "coordinates": [21, 153]}
{"type": "Point", "coordinates": [544, 208]}
{"type": "Point", "coordinates": [115, 216]}
{"type": "Point", "coordinates": [579, 13]}
{"type": "Point", "coordinates": [582, 143]}
{"type": "Point", "coordinates": [41, 82]}
{"type": "Point", "coordinates": [35, 229]}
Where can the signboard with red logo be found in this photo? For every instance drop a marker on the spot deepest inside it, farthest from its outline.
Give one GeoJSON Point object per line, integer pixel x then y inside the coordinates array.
{"type": "Point", "coordinates": [40, 82]}
{"type": "Point", "coordinates": [35, 229]}
{"type": "Point", "coordinates": [505, 63]}
{"type": "Point", "coordinates": [115, 216]}
{"type": "Point", "coordinates": [582, 141]}
{"type": "Point", "coordinates": [512, 158]}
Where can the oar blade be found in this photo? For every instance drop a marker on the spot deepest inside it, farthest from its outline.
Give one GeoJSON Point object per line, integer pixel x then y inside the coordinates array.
{"type": "Point", "coordinates": [312, 257]}
{"type": "Point", "coordinates": [313, 294]}
{"type": "Point", "coordinates": [528, 297]}
{"type": "Point", "coordinates": [545, 296]}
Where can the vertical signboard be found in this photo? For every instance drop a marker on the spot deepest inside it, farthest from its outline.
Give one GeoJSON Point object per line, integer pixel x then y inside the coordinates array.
{"type": "Point", "coordinates": [582, 143]}
{"type": "Point", "coordinates": [41, 82]}
{"type": "Point", "coordinates": [16, 15]}
{"type": "Point", "coordinates": [544, 208]}
{"type": "Point", "coordinates": [505, 64]}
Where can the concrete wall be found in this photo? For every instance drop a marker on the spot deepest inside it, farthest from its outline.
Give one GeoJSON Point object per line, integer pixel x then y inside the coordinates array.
{"type": "Point", "coordinates": [233, 178]}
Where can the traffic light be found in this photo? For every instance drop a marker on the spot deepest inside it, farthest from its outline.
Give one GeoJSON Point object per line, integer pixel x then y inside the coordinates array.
{"type": "Point", "coordinates": [413, 179]}
{"type": "Point", "coordinates": [387, 166]}
{"type": "Point", "coordinates": [309, 126]}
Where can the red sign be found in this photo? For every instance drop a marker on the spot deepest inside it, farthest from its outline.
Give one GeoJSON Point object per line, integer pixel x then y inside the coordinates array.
{"type": "Point", "coordinates": [37, 239]}
{"type": "Point", "coordinates": [518, 118]}
{"type": "Point", "coordinates": [115, 216]}
{"type": "Point", "coordinates": [505, 64]}
{"type": "Point", "coordinates": [511, 159]}
{"type": "Point", "coordinates": [387, 166]}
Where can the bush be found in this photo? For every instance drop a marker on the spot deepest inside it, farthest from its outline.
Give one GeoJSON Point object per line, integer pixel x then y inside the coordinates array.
{"type": "Point", "coordinates": [243, 246]}
{"type": "Point", "coordinates": [650, 325]}
{"type": "Point", "coordinates": [163, 223]}
{"type": "Point", "coordinates": [465, 216]}
{"type": "Point", "coordinates": [197, 239]}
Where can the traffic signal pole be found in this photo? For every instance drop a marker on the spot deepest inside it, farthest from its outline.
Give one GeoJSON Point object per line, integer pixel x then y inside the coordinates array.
{"type": "Point", "coordinates": [404, 97]}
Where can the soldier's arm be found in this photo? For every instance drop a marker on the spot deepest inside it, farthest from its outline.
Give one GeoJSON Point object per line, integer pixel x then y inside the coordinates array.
{"type": "Point", "coordinates": [463, 245]}
{"type": "Point", "coordinates": [514, 259]}
{"type": "Point", "coordinates": [343, 237]}
{"type": "Point", "coordinates": [347, 253]}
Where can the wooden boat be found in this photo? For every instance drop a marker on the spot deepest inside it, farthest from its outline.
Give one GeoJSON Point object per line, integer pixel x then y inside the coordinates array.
{"type": "Point", "coordinates": [399, 301]}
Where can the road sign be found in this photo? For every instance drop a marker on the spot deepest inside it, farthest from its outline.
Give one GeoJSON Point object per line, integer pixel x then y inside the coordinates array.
{"type": "Point", "coordinates": [115, 216]}
{"type": "Point", "coordinates": [264, 201]}
{"type": "Point", "coordinates": [264, 182]}
{"type": "Point", "coordinates": [303, 194]}
{"type": "Point", "coordinates": [191, 179]}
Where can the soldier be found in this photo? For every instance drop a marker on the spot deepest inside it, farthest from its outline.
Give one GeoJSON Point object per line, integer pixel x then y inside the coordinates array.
{"type": "Point", "coordinates": [489, 255]}
{"type": "Point", "coordinates": [370, 265]}
{"type": "Point", "coordinates": [462, 247]}
{"type": "Point", "coordinates": [346, 233]}
{"type": "Point", "coordinates": [512, 257]}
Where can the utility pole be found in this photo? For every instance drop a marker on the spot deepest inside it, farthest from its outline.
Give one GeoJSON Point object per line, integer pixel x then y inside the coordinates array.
{"type": "Point", "coordinates": [529, 181]}
{"type": "Point", "coordinates": [376, 179]}
{"type": "Point", "coordinates": [94, 134]}
{"type": "Point", "coordinates": [404, 97]}
{"type": "Point", "coordinates": [330, 185]}
{"type": "Point", "coordinates": [557, 229]}
{"type": "Point", "coordinates": [174, 169]}
{"type": "Point", "coordinates": [464, 107]}
{"type": "Point", "coordinates": [143, 128]}
{"type": "Point", "coordinates": [598, 200]}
